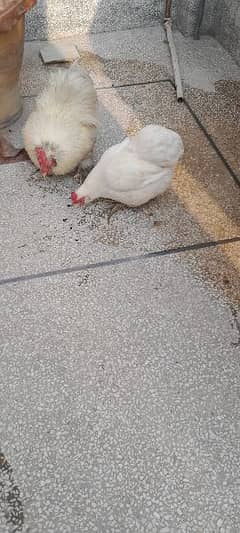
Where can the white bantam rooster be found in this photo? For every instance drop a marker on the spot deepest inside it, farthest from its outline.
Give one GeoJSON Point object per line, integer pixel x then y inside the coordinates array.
{"type": "Point", "coordinates": [134, 171]}
{"type": "Point", "coordinates": [60, 133]}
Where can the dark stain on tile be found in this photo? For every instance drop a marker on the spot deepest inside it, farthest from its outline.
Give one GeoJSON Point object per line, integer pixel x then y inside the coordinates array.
{"type": "Point", "coordinates": [10, 498]}
{"type": "Point", "coordinates": [218, 268]}
{"type": "Point", "coordinates": [83, 278]}
{"type": "Point", "coordinates": [236, 326]}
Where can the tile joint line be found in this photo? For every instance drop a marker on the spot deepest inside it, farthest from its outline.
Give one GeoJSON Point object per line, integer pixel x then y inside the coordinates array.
{"type": "Point", "coordinates": [119, 261]}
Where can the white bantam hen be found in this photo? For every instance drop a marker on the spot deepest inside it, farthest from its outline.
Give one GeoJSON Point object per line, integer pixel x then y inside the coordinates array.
{"type": "Point", "coordinates": [60, 133]}
{"type": "Point", "coordinates": [134, 171]}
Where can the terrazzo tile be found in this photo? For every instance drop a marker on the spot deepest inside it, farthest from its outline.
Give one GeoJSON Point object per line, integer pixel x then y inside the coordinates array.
{"type": "Point", "coordinates": [113, 58]}
{"type": "Point", "coordinates": [120, 399]}
{"type": "Point", "coordinates": [204, 62]}
{"type": "Point", "coordinates": [220, 114]}
{"type": "Point", "coordinates": [51, 19]}
{"type": "Point", "coordinates": [137, 55]}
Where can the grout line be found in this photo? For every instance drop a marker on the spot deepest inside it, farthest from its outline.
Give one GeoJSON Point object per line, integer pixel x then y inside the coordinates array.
{"type": "Point", "coordinates": [113, 86]}
{"type": "Point", "coordinates": [134, 84]}
{"type": "Point", "coordinates": [119, 261]}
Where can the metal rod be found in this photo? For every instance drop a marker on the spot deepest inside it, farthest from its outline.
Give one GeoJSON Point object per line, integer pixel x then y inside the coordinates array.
{"type": "Point", "coordinates": [175, 63]}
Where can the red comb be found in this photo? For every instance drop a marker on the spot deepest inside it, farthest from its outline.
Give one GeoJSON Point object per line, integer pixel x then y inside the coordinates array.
{"type": "Point", "coordinates": [40, 153]}
{"type": "Point", "coordinates": [40, 150]}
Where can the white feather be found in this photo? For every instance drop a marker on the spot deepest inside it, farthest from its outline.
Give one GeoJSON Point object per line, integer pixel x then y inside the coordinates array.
{"type": "Point", "coordinates": [65, 119]}
{"type": "Point", "coordinates": [136, 170]}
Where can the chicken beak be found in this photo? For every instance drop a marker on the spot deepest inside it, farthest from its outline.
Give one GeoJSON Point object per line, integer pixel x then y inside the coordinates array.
{"type": "Point", "coordinates": [80, 200]}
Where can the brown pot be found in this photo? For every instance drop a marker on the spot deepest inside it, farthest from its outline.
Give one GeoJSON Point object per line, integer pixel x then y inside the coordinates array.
{"type": "Point", "coordinates": [12, 19]}
{"type": "Point", "coordinates": [11, 54]}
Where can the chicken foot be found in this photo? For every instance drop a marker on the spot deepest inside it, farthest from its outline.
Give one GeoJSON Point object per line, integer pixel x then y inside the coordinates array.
{"type": "Point", "coordinates": [114, 209]}
{"type": "Point", "coordinates": [35, 172]}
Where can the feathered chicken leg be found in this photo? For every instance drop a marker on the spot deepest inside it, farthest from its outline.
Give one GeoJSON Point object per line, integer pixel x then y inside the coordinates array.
{"type": "Point", "coordinates": [84, 168]}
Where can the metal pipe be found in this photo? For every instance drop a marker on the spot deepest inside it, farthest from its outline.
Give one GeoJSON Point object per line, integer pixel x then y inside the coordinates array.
{"type": "Point", "coordinates": [175, 63]}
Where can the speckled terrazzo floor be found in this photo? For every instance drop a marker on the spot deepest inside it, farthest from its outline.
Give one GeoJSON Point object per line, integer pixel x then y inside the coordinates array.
{"type": "Point", "coordinates": [220, 114]}
{"type": "Point", "coordinates": [120, 344]}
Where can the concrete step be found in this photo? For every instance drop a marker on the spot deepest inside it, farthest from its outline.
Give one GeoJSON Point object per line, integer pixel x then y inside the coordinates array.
{"type": "Point", "coordinates": [51, 19]}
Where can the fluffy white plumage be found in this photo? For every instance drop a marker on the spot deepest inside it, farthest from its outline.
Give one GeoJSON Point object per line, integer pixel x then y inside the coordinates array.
{"type": "Point", "coordinates": [64, 121]}
{"type": "Point", "coordinates": [136, 170]}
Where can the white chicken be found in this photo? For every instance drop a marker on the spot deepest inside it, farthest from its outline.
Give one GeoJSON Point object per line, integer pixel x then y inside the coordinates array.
{"type": "Point", "coordinates": [60, 133]}
{"type": "Point", "coordinates": [134, 171]}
